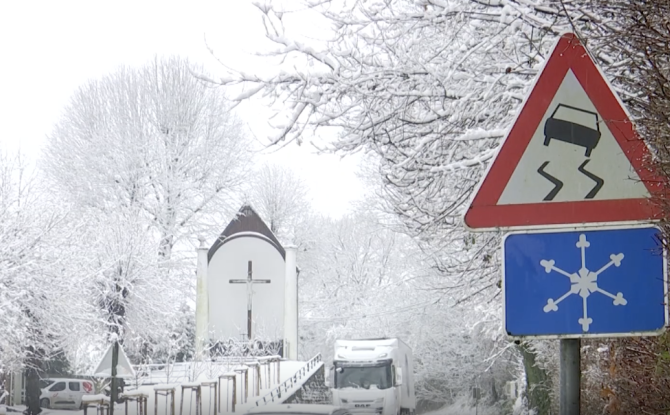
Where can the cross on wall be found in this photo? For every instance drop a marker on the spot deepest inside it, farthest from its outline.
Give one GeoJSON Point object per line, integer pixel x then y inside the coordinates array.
{"type": "Point", "coordinates": [249, 281]}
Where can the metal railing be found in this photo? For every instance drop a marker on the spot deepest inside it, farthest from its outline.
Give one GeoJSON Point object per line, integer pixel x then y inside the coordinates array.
{"type": "Point", "coordinates": [276, 393]}
{"type": "Point", "coordinates": [179, 372]}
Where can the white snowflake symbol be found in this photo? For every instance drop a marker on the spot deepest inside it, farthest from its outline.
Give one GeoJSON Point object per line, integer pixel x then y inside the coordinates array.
{"type": "Point", "coordinates": [584, 282]}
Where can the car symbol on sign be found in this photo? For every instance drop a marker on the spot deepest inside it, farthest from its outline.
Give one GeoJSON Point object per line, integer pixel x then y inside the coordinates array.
{"type": "Point", "coordinates": [571, 132]}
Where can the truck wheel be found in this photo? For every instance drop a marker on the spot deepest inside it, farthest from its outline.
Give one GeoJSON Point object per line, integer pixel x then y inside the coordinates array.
{"type": "Point", "coordinates": [44, 403]}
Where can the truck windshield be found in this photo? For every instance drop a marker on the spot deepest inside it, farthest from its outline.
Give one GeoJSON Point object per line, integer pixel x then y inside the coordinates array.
{"type": "Point", "coordinates": [363, 377]}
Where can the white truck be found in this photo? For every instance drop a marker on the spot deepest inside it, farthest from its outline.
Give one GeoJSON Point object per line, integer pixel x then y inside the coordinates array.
{"type": "Point", "coordinates": [373, 376]}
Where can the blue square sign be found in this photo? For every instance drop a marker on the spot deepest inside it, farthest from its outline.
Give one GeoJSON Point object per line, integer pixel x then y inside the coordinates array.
{"type": "Point", "coordinates": [589, 283]}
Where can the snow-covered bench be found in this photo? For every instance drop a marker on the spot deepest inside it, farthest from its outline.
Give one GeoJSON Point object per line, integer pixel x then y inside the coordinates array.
{"type": "Point", "coordinates": [191, 388]}
{"type": "Point", "coordinates": [168, 391]}
{"type": "Point", "coordinates": [228, 377]}
{"type": "Point", "coordinates": [137, 396]}
{"type": "Point", "coordinates": [211, 385]}
{"type": "Point", "coordinates": [99, 402]}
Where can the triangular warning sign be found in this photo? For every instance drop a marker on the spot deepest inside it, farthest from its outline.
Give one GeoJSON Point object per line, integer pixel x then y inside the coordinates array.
{"type": "Point", "coordinates": [123, 367]}
{"type": "Point", "coordinates": [571, 156]}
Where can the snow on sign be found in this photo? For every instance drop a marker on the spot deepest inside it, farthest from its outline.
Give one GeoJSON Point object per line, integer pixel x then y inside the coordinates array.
{"type": "Point", "coordinates": [598, 283]}
{"type": "Point", "coordinates": [571, 156]}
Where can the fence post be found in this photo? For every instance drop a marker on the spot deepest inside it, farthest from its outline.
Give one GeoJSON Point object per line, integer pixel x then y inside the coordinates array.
{"type": "Point", "coordinates": [256, 380]}
{"type": "Point", "coordinates": [243, 370]}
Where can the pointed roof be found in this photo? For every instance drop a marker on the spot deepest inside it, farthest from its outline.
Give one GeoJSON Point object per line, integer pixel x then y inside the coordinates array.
{"type": "Point", "coordinates": [246, 223]}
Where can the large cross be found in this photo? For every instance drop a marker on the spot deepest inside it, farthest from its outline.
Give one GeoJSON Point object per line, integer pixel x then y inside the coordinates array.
{"type": "Point", "coordinates": [249, 281]}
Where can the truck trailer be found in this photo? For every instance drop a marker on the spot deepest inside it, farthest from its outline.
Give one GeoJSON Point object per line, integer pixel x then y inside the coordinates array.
{"type": "Point", "coordinates": [373, 376]}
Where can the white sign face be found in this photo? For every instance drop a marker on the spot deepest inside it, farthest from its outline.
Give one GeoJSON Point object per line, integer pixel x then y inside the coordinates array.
{"type": "Point", "coordinates": [229, 301]}
{"type": "Point", "coordinates": [572, 156]}
{"type": "Point", "coordinates": [123, 367]}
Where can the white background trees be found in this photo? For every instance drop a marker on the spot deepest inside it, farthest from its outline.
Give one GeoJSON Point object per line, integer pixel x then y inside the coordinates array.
{"type": "Point", "coordinates": [353, 281]}
{"type": "Point", "coordinates": [279, 196]}
{"type": "Point", "coordinates": [362, 279]}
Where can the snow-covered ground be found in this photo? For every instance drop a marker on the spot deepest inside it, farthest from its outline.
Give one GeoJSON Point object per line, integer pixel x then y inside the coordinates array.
{"type": "Point", "coordinates": [463, 405]}
{"type": "Point", "coordinates": [464, 408]}
{"type": "Point", "coordinates": [287, 370]}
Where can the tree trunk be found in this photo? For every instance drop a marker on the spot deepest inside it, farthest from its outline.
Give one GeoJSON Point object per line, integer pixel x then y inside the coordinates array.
{"type": "Point", "coordinates": [494, 391]}
{"type": "Point", "coordinates": [32, 391]}
{"type": "Point", "coordinates": [537, 382]}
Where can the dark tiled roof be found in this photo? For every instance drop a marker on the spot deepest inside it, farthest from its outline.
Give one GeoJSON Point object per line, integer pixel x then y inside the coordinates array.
{"type": "Point", "coordinates": [246, 220]}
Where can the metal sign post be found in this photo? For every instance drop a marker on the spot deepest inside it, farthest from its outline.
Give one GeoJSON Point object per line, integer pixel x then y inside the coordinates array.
{"type": "Point", "coordinates": [570, 376]}
{"type": "Point", "coordinates": [115, 361]}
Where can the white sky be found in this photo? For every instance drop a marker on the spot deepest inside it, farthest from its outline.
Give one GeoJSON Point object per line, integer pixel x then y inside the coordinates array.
{"type": "Point", "coordinates": [49, 48]}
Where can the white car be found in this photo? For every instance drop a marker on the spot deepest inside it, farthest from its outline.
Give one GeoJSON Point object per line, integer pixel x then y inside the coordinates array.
{"type": "Point", "coordinates": [64, 393]}
{"type": "Point", "coordinates": [298, 409]}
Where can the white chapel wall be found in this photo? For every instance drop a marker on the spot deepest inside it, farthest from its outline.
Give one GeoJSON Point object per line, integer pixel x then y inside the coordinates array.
{"type": "Point", "coordinates": [228, 302]}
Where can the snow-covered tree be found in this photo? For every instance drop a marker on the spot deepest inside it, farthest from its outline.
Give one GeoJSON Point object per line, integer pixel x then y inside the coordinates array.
{"type": "Point", "coordinates": [136, 297]}
{"type": "Point", "coordinates": [355, 267]}
{"type": "Point", "coordinates": [628, 375]}
{"type": "Point", "coordinates": [430, 87]}
{"type": "Point", "coordinates": [279, 196]}
{"type": "Point", "coordinates": [155, 138]}
{"type": "Point", "coordinates": [42, 313]}
{"type": "Point", "coordinates": [29, 290]}
{"type": "Point", "coordinates": [150, 157]}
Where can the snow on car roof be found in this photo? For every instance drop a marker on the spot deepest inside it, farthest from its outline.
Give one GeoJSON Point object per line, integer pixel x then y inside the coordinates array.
{"type": "Point", "coordinates": [66, 380]}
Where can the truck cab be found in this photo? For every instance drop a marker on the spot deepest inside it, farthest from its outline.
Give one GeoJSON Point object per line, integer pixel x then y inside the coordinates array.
{"type": "Point", "coordinates": [373, 376]}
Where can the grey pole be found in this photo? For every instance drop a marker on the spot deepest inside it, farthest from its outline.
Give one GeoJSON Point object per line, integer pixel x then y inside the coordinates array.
{"type": "Point", "coordinates": [115, 361]}
{"type": "Point", "coordinates": [570, 376]}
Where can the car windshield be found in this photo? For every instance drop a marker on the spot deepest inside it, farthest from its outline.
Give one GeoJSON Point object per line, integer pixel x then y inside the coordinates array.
{"type": "Point", "coordinates": [363, 377]}
{"type": "Point", "coordinates": [45, 382]}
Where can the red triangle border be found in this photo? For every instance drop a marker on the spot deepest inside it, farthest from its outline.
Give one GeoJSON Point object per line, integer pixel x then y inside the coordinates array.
{"type": "Point", "coordinates": [485, 213]}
